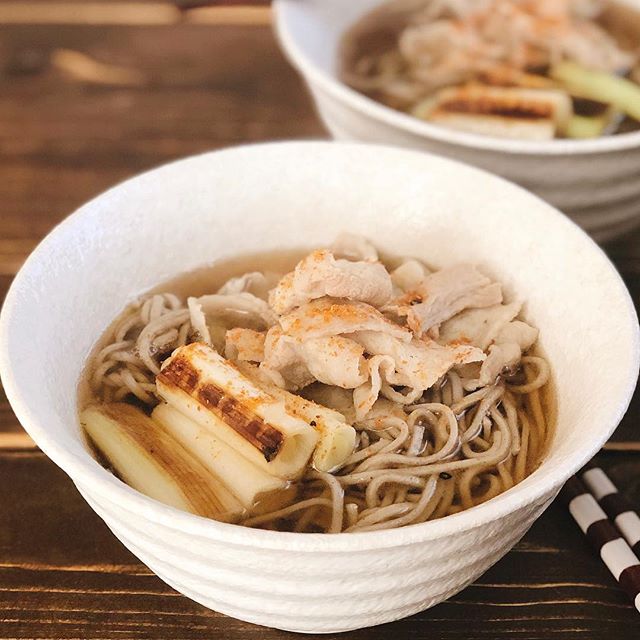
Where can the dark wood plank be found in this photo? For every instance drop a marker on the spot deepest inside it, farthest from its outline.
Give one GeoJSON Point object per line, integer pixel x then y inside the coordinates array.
{"type": "Point", "coordinates": [11, 433]}
{"type": "Point", "coordinates": [625, 254]}
{"type": "Point", "coordinates": [63, 575]}
{"type": "Point", "coordinates": [132, 12]}
{"type": "Point", "coordinates": [65, 140]}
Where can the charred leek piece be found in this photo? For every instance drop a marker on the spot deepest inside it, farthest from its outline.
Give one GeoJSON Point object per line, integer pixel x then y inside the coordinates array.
{"type": "Point", "coordinates": [506, 76]}
{"type": "Point", "coordinates": [205, 387]}
{"type": "Point", "coordinates": [244, 479]}
{"type": "Point", "coordinates": [151, 461]}
{"type": "Point", "coordinates": [337, 439]}
{"type": "Point", "coordinates": [508, 112]}
{"type": "Point", "coordinates": [597, 85]}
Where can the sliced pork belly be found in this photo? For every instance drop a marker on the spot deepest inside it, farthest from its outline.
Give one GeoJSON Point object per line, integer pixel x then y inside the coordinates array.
{"type": "Point", "coordinates": [445, 293]}
{"type": "Point", "coordinates": [332, 360]}
{"type": "Point", "coordinates": [282, 363]}
{"type": "Point", "coordinates": [511, 342]}
{"type": "Point", "coordinates": [381, 370]}
{"type": "Point", "coordinates": [244, 344]}
{"type": "Point", "coordinates": [501, 357]}
{"type": "Point", "coordinates": [353, 247]}
{"type": "Point", "coordinates": [284, 296]}
{"type": "Point", "coordinates": [518, 332]}
{"type": "Point", "coordinates": [335, 360]}
{"type": "Point", "coordinates": [478, 327]}
{"type": "Point", "coordinates": [206, 312]}
{"type": "Point", "coordinates": [420, 363]}
{"type": "Point", "coordinates": [330, 317]}
{"type": "Point", "coordinates": [247, 305]}
{"type": "Point", "coordinates": [198, 320]}
{"type": "Point", "coordinates": [320, 274]}
{"type": "Point", "coordinates": [409, 275]}
{"type": "Point", "coordinates": [254, 282]}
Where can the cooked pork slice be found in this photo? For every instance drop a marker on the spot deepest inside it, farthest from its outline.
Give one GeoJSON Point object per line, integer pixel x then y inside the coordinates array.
{"type": "Point", "coordinates": [409, 275]}
{"type": "Point", "coordinates": [245, 304]}
{"type": "Point", "coordinates": [198, 320]}
{"type": "Point", "coordinates": [206, 312]}
{"type": "Point", "coordinates": [294, 363]}
{"type": "Point", "coordinates": [445, 293]}
{"type": "Point", "coordinates": [501, 357]}
{"type": "Point", "coordinates": [419, 363]}
{"type": "Point", "coordinates": [330, 317]}
{"type": "Point", "coordinates": [478, 327]}
{"type": "Point", "coordinates": [244, 344]}
{"type": "Point", "coordinates": [284, 296]}
{"type": "Point", "coordinates": [320, 274]}
{"type": "Point", "coordinates": [282, 363]}
{"type": "Point", "coordinates": [353, 247]}
{"type": "Point", "coordinates": [253, 282]}
{"type": "Point", "coordinates": [381, 370]}
{"type": "Point", "coordinates": [335, 360]}
{"type": "Point", "coordinates": [518, 332]}
{"type": "Point", "coordinates": [510, 343]}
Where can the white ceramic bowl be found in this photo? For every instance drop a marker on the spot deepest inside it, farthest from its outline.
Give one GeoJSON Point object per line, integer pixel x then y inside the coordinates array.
{"type": "Point", "coordinates": [301, 194]}
{"type": "Point", "coordinates": [595, 182]}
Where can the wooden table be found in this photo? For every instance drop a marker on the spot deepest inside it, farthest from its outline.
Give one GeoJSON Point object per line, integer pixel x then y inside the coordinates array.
{"type": "Point", "coordinates": [91, 93]}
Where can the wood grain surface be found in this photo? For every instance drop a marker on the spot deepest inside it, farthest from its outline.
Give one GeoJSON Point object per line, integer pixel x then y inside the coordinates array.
{"type": "Point", "coordinates": [91, 93]}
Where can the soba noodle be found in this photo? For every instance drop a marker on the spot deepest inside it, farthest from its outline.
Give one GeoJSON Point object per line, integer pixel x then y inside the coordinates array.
{"type": "Point", "coordinates": [419, 455]}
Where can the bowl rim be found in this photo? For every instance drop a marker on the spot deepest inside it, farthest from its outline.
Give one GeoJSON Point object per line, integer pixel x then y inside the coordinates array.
{"type": "Point", "coordinates": [96, 480]}
{"type": "Point", "coordinates": [338, 90]}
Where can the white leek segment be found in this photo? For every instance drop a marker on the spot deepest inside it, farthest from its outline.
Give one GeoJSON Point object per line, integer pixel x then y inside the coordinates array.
{"type": "Point", "coordinates": [205, 387]}
{"type": "Point", "coordinates": [509, 112]}
{"type": "Point", "coordinates": [337, 439]}
{"type": "Point", "coordinates": [244, 479]}
{"type": "Point", "coordinates": [148, 459]}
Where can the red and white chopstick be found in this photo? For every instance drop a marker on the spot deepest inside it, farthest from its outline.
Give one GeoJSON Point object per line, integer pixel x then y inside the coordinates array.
{"type": "Point", "coordinates": [603, 535]}
{"type": "Point", "coordinates": [615, 505]}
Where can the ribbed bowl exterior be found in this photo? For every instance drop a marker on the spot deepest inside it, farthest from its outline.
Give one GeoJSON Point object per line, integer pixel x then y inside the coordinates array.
{"type": "Point", "coordinates": [598, 191]}
{"type": "Point", "coordinates": [315, 592]}
{"type": "Point", "coordinates": [281, 196]}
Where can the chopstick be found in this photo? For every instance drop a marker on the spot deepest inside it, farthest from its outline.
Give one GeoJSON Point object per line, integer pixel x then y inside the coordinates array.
{"type": "Point", "coordinates": [605, 538]}
{"type": "Point", "coordinates": [615, 505]}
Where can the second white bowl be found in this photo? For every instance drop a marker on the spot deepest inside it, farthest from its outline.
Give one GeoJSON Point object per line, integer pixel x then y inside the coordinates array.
{"type": "Point", "coordinates": [595, 182]}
